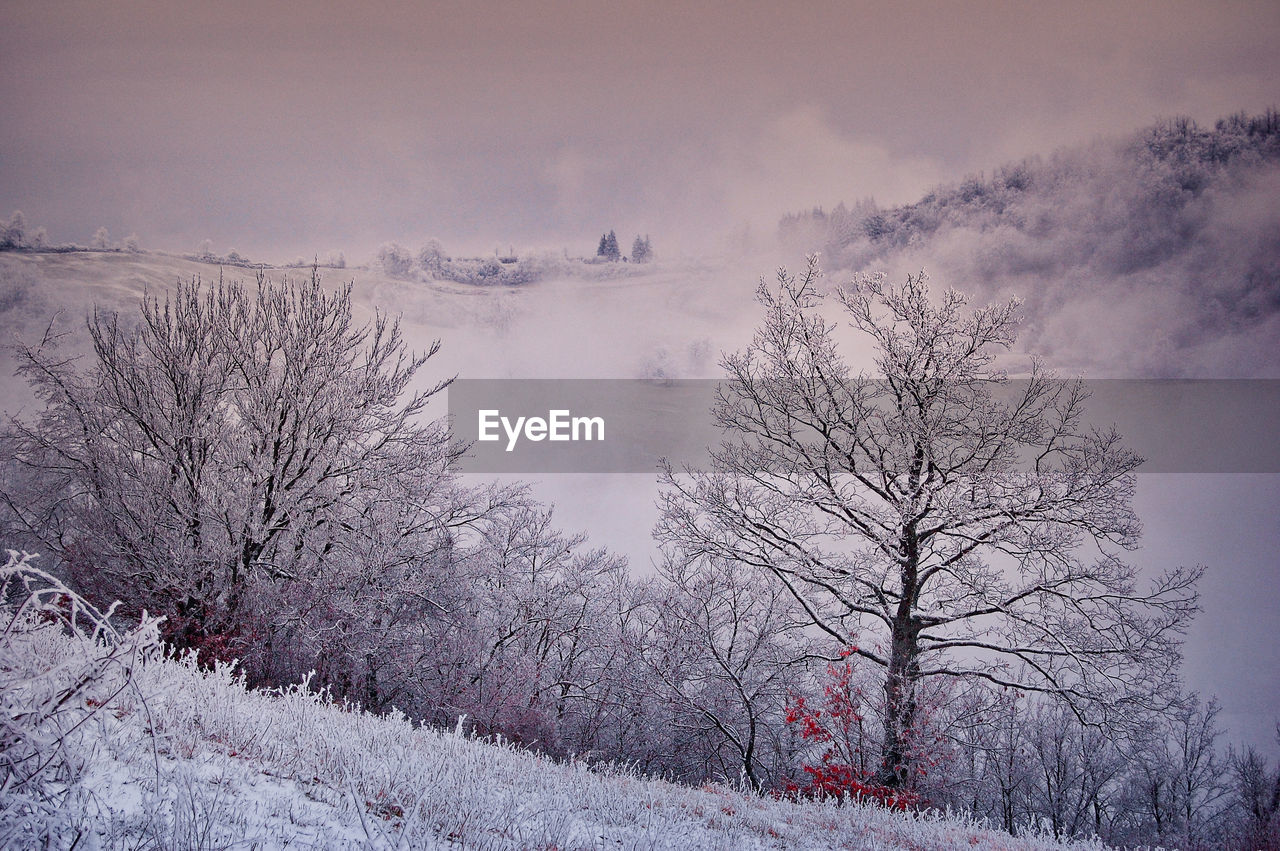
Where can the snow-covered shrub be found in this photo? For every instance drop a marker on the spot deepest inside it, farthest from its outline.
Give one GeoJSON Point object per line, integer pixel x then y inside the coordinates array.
{"type": "Point", "coordinates": [395, 260]}
{"type": "Point", "coordinates": [45, 698]}
{"type": "Point", "coordinates": [13, 234]}
{"type": "Point", "coordinates": [432, 259]}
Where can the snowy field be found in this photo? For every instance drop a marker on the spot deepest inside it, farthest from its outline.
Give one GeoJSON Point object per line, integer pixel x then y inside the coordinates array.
{"type": "Point", "coordinates": [172, 756]}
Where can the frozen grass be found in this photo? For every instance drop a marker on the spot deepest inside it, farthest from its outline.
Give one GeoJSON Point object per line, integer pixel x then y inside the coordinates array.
{"type": "Point", "coordinates": [187, 758]}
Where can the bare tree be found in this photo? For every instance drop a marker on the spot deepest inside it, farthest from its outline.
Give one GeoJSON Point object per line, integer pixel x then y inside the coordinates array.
{"type": "Point", "coordinates": [1071, 769]}
{"type": "Point", "coordinates": [1257, 793]}
{"type": "Point", "coordinates": [232, 442]}
{"type": "Point", "coordinates": [963, 535]}
{"type": "Point", "coordinates": [1184, 764]}
{"type": "Point", "coordinates": [538, 603]}
{"type": "Point", "coordinates": [727, 647]}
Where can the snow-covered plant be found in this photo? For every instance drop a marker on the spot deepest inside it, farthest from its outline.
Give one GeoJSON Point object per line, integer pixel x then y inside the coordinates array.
{"type": "Point", "coordinates": [431, 258]}
{"type": "Point", "coordinates": [395, 260]}
{"type": "Point", "coordinates": [225, 461]}
{"type": "Point", "coordinates": [13, 234]}
{"type": "Point", "coordinates": [45, 698]}
{"type": "Point", "coordinates": [287, 768]}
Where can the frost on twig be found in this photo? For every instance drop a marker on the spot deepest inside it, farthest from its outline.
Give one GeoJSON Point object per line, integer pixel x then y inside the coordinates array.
{"type": "Point", "coordinates": [43, 698]}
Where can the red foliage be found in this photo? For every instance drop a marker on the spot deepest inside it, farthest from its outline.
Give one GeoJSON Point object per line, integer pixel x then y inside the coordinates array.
{"type": "Point", "coordinates": [837, 723]}
{"type": "Point", "coordinates": [211, 647]}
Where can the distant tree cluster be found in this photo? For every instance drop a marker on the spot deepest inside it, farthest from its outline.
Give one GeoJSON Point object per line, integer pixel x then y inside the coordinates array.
{"type": "Point", "coordinates": [641, 249]}
{"type": "Point", "coordinates": [433, 263]}
{"type": "Point", "coordinates": [1122, 228]}
{"type": "Point", "coordinates": [608, 248]}
{"type": "Point", "coordinates": [15, 234]}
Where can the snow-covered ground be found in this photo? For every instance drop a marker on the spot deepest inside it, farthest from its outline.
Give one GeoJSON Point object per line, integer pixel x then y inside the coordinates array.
{"type": "Point", "coordinates": [182, 757]}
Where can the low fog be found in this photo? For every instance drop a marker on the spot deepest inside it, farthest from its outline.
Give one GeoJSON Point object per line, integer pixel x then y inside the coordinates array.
{"type": "Point", "coordinates": [1153, 255]}
{"type": "Point", "coordinates": [457, 166]}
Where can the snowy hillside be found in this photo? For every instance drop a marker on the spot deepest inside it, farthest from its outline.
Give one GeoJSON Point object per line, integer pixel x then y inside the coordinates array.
{"type": "Point", "coordinates": [180, 757]}
{"type": "Point", "coordinates": [1153, 255]}
{"type": "Point", "coordinates": [674, 318]}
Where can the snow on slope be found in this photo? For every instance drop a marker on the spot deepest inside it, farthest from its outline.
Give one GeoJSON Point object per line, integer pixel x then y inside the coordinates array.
{"type": "Point", "coordinates": [677, 316]}
{"type": "Point", "coordinates": [230, 767]}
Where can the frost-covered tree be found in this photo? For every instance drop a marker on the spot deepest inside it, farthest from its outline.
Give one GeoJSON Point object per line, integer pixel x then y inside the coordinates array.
{"type": "Point", "coordinates": [538, 603]}
{"type": "Point", "coordinates": [131, 243]}
{"type": "Point", "coordinates": [432, 258]}
{"type": "Point", "coordinates": [204, 250]}
{"type": "Point", "coordinates": [726, 647]}
{"type": "Point", "coordinates": [608, 248]}
{"type": "Point", "coordinates": [1257, 798]}
{"type": "Point", "coordinates": [1180, 783]}
{"type": "Point", "coordinates": [957, 533]}
{"type": "Point", "coordinates": [395, 260]}
{"type": "Point", "coordinates": [101, 240]}
{"type": "Point", "coordinates": [641, 250]}
{"type": "Point", "coordinates": [234, 442]}
{"type": "Point", "coordinates": [1070, 767]}
{"type": "Point", "coordinates": [14, 233]}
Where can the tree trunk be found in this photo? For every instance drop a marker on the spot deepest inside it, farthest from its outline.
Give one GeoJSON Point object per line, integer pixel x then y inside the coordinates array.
{"type": "Point", "coordinates": [904, 667]}
{"type": "Point", "coordinates": [899, 708]}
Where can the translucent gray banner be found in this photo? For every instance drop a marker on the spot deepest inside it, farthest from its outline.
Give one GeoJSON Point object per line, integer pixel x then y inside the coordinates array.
{"type": "Point", "coordinates": [535, 426]}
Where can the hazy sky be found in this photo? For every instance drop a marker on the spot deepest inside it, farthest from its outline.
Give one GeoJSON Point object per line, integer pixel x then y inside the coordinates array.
{"type": "Point", "coordinates": [287, 129]}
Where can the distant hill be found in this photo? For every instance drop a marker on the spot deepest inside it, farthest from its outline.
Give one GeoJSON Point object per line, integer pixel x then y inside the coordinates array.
{"type": "Point", "coordinates": [1153, 255]}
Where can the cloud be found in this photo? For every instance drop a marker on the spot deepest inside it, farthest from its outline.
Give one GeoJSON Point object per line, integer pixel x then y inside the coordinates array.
{"type": "Point", "coordinates": [572, 174]}
{"type": "Point", "coordinates": [798, 160]}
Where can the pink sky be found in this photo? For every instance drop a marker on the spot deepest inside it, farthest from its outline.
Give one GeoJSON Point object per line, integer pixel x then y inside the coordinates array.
{"type": "Point", "coordinates": [303, 127]}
